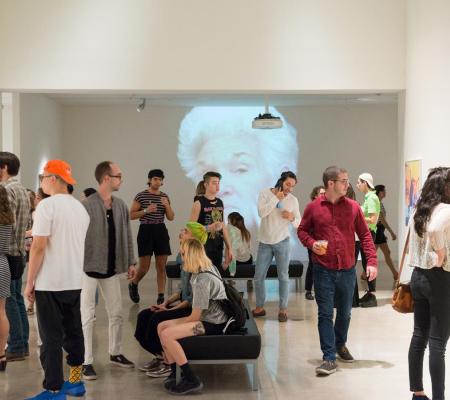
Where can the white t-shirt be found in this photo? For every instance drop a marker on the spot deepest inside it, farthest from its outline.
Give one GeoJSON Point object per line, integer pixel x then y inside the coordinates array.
{"type": "Point", "coordinates": [65, 221]}
{"type": "Point", "coordinates": [274, 228]}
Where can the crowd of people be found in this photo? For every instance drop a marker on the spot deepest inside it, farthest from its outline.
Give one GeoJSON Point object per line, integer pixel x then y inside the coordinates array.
{"type": "Point", "coordinates": [78, 250]}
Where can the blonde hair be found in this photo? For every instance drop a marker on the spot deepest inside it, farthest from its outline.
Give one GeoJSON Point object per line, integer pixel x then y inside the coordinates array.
{"type": "Point", "coordinates": [195, 259]}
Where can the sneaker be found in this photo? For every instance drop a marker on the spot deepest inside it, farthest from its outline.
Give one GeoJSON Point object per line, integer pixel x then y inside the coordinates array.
{"type": "Point", "coordinates": [160, 299]}
{"type": "Point", "coordinates": [170, 381]}
{"type": "Point", "coordinates": [121, 361]}
{"type": "Point", "coordinates": [133, 292]}
{"type": "Point", "coordinates": [309, 296]}
{"type": "Point", "coordinates": [89, 372]}
{"type": "Point", "coordinates": [282, 317]}
{"type": "Point", "coordinates": [48, 395]}
{"type": "Point", "coordinates": [162, 372]}
{"type": "Point", "coordinates": [344, 355]}
{"type": "Point", "coordinates": [185, 387]}
{"type": "Point", "coordinates": [151, 365]}
{"type": "Point", "coordinates": [73, 389]}
{"type": "Point", "coordinates": [369, 301]}
{"type": "Point", "coordinates": [328, 367]}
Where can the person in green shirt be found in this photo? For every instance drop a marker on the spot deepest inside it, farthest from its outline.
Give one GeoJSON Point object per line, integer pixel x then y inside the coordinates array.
{"type": "Point", "coordinates": [371, 209]}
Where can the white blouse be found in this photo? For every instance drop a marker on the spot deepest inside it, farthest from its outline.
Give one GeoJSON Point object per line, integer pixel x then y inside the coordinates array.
{"type": "Point", "coordinates": [422, 250]}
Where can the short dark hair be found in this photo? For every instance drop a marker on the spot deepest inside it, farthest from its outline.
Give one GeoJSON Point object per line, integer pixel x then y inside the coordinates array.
{"type": "Point", "coordinates": [88, 191]}
{"type": "Point", "coordinates": [315, 192]}
{"type": "Point", "coordinates": [11, 161]}
{"type": "Point", "coordinates": [380, 188]}
{"type": "Point", "coordinates": [332, 174]}
{"type": "Point", "coordinates": [285, 175]}
{"type": "Point", "coordinates": [156, 173]}
{"type": "Point", "coordinates": [211, 174]}
{"type": "Point", "coordinates": [101, 170]}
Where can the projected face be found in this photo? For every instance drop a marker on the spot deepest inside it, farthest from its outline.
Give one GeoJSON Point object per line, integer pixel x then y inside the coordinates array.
{"type": "Point", "coordinates": [221, 139]}
{"type": "Point", "coordinates": [244, 174]}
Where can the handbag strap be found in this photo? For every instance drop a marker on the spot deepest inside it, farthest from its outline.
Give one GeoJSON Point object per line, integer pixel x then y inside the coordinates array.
{"type": "Point", "coordinates": [402, 262]}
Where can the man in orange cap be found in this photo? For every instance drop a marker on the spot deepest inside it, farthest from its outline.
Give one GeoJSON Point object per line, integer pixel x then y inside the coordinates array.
{"type": "Point", "coordinates": [54, 280]}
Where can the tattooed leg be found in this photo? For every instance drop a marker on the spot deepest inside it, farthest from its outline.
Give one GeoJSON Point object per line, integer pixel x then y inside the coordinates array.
{"type": "Point", "coordinates": [198, 329]}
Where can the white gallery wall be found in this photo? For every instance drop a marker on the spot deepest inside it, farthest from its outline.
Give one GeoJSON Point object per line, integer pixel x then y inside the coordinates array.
{"type": "Point", "coordinates": [426, 132]}
{"type": "Point", "coordinates": [40, 135]}
{"type": "Point", "coordinates": [202, 45]}
{"type": "Point", "coordinates": [360, 138]}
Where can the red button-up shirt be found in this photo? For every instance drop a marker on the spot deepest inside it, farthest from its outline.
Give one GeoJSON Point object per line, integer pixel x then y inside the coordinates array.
{"type": "Point", "coordinates": [337, 223]}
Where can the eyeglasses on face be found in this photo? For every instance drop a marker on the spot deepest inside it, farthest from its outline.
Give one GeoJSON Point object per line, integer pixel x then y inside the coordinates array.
{"type": "Point", "coordinates": [116, 176]}
{"type": "Point", "coordinates": [42, 176]}
{"type": "Point", "coordinates": [344, 181]}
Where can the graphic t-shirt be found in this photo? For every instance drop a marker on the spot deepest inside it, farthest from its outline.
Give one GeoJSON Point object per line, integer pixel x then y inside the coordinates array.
{"type": "Point", "coordinates": [146, 198]}
{"type": "Point", "coordinates": [211, 211]}
{"type": "Point", "coordinates": [64, 221]}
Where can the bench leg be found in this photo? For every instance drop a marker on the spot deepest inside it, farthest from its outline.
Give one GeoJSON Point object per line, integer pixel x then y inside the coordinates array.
{"type": "Point", "coordinates": [178, 374]}
{"type": "Point", "coordinates": [255, 380]}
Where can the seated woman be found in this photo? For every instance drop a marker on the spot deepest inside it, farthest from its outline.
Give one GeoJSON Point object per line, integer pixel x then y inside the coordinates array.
{"type": "Point", "coordinates": [207, 316]}
{"type": "Point", "coordinates": [176, 306]}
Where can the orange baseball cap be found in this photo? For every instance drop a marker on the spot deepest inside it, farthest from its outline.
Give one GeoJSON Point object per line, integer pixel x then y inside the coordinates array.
{"type": "Point", "coordinates": [60, 168]}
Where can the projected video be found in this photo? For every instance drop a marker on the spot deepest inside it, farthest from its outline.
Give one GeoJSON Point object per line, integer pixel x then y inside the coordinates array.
{"type": "Point", "coordinates": [221, 139]}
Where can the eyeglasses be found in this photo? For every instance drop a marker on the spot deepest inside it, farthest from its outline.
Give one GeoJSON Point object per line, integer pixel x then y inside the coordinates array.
{"type": "Point", "coordinates": [41, 177]}
{"type": "Point", "coordinates": [344, 181]}
{"type": "Point", "coordinates": [116, 176]}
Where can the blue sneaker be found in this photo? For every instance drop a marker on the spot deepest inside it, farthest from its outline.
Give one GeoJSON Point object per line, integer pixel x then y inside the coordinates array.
{"type": "Point", "coordinates": [47, 395]}
{"type": "Point", "coordinates": [73, 389]}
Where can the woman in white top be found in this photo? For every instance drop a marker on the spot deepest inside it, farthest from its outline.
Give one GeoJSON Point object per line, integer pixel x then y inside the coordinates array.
{"type": "Point", "coordinates": [240, 238]}
{"type": "Point", "coordinates": [430, 282]}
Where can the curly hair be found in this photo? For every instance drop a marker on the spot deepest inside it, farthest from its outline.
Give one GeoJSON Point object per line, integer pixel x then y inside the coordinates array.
{"type": "Point", "coordinates": [6, 214]}
{"type": "Point", "coordinates": [436, 189]}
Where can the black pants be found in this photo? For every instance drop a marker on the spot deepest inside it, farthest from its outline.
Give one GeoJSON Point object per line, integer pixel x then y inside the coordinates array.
{"type": "Point", "coordinates": [147, 327]}
{"type": "Point", "coordinates": [431, 293]}
{"type": "Point", "coordinates": [59, 323]}
{"type": "Point", "coordinates": [371, 284]}
{"type": "Point", "coordinates": [309, 280]}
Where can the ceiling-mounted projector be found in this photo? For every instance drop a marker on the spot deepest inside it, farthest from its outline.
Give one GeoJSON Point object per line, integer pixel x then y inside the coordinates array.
{"type": "Point", "coordinates": [267, 121]}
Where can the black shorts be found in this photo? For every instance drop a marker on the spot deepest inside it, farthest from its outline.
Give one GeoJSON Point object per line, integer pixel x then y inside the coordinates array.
{"type": "Point", "coordinates": [213, 329]}
{"type": "Point", "coordinates": [153, 239]}
{"type": "Point", "coordinates": [380, 236]}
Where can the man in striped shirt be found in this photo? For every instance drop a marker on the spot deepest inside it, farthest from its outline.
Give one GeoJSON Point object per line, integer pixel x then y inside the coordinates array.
{"type": "Point", "coordinates": [15, 307]}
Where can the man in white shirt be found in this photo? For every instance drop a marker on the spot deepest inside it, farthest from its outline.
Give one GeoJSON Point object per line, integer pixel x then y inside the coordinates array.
{"type": "Point", "coordinates": [278, 209]}
{"type": "Point", "coordinates": [54, 280]}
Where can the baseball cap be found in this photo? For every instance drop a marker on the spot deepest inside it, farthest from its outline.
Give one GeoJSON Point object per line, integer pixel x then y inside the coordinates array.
{"type": "Point", "coordinates": [61, 169]}
{"type": "Point", "coordinates": [368, 178]}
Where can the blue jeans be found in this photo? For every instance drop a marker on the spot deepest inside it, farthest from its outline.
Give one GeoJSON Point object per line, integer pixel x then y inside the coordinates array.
{"type": "Point", "coordinates": [266, 252]}
{"type": "Point", "coordinates": [18, 320]}
{"type": "Point", "coordinates": [333, 288]}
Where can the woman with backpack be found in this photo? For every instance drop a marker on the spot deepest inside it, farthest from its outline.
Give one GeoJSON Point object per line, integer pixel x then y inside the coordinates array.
{"type": "Point", "coordinates": [207, 317]}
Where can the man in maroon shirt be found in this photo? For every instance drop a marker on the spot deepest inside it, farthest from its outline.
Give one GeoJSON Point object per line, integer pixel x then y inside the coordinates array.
{"type": "Point", "coordinates": [328, 228]}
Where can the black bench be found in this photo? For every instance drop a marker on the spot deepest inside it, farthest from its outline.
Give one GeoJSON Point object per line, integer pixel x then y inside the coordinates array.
{"type": "Point", "coordinates": [243, 272]}
{"type": "Point", "coordinates": [226, 349]}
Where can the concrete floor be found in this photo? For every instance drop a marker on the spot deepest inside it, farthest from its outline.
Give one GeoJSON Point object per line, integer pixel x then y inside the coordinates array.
{"type": "Point", "coordinates": [378, 339]}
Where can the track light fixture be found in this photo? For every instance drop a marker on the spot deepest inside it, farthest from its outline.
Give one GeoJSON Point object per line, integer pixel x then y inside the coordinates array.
{"type": "Point", "coordinates": [141, 106]}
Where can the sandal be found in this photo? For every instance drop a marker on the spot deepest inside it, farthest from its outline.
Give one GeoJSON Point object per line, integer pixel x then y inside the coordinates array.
{"type": "Point", "coordinates": [3, 362]}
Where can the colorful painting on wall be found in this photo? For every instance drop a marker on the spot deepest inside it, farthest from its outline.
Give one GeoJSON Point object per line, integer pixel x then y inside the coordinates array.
{"type": "Point", "coordinates": [413, 181]}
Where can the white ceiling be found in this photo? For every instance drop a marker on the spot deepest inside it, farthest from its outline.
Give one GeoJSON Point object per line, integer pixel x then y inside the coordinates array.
{"type": "Point", "coordinates": [191, 100]}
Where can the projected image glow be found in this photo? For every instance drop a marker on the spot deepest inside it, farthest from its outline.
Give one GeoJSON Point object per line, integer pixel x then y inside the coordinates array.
{"type": "Point", "coordinates": [221, 139]}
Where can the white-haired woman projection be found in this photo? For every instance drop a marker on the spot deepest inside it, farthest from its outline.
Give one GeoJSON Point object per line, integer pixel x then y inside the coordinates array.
{"type": "Point", "coordinates": [222, 139]}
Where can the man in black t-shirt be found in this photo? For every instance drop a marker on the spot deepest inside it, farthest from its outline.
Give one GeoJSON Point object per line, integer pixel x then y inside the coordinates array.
{"type": "Point", "coordinates": [208, 210]}
{"type": "Point", "coordinates": [108, 253]}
